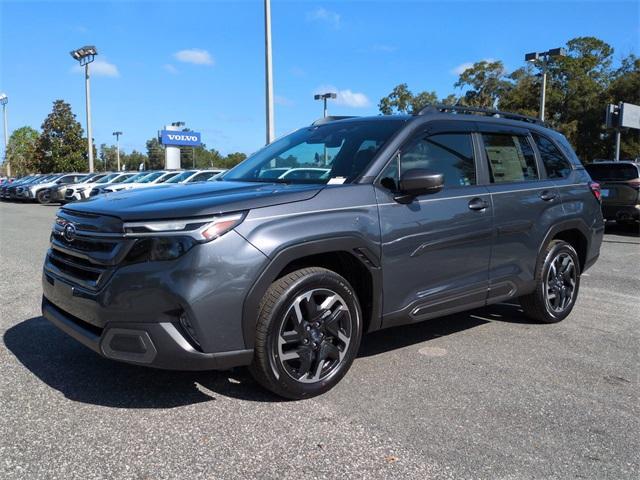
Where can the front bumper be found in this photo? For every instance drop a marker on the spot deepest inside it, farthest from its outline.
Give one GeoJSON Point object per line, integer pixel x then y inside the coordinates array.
{"type": "Point", "coordinates": [159, 345]}
{"type": "Point", "coordinates": [133, 313]}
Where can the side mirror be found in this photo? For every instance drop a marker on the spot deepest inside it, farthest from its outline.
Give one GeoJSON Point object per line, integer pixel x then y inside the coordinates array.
{"type": "Point", "coordinates": [416, 182]}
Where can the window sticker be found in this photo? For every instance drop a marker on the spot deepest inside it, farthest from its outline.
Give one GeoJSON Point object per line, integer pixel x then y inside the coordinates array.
{"type": "Point", "coordinates": [337, 180]}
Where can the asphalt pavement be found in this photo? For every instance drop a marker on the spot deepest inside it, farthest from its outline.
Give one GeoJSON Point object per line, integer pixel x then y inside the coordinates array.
{"type": "Point", "coordinates": [485, 394]}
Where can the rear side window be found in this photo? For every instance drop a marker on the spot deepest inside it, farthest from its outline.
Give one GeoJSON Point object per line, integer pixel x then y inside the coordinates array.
{"type": "Point", "coordinates": [612, 172]}
{"type": "Point", "coordinates": [511, 158]}
{"type": "Point", "coordinates": [554, 162]}
{"type": "Point", "coordinates": [450, 154]}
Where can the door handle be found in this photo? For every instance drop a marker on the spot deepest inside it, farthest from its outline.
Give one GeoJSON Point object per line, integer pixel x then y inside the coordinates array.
{"type": "Point", "coordinates": [547, 195]}
{"type": "Point", "coordinates": [477, 204]}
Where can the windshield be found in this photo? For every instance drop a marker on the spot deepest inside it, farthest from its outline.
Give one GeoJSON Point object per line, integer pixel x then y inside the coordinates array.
{"type": "Point", "coordinates": [108, 178]}
{"type": "Point", "coordinates": [151, 177]}
{"type": "Point", "coordinates": [181, 177]}
{"type": "Point", "coordinates": [166, 177]}
{"type": "Point", "coordinates": [613, 173]}
{"type": "Point", "coordinates": [136, 178]}
{"type": "Point", "coordinates": [121, 178]}
{"type": "Point", "coordinates": [338, 151]}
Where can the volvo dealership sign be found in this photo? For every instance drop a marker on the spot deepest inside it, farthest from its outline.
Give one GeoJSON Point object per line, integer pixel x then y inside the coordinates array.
{"type": "Point", "coordinates": [182, 139]}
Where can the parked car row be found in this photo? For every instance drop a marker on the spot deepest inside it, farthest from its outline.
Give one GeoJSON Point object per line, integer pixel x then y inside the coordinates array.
{"type": "Point", "coordinates": [69, 187]}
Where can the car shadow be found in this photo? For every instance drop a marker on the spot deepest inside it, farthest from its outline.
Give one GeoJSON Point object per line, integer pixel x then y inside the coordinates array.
{"type": "Point", "coordinates": [83, 376]}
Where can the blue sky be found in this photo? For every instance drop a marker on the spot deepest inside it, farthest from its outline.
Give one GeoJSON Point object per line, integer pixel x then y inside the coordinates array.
{"type": "Point", "coordinates": [203, 62]}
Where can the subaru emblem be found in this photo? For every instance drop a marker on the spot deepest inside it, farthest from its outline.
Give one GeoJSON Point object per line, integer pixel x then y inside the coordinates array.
{"type": "Point", "coordinates": [69, 232]}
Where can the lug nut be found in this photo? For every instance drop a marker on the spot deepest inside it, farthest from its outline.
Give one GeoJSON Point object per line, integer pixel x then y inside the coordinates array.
{"type": "Point", "coordinates": [305, 341]}
{"type": "Point", "coordinates": [308, 328]}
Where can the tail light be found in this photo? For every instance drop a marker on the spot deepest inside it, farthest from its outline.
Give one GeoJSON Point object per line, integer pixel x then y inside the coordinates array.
{"type": "Point", "coordinates": [595, 189]}
{"type": "Point", "coordinates": [635, 184]}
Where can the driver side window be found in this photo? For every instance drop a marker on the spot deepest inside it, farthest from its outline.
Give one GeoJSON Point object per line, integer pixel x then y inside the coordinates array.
{"type": "Point", "coordinates": [448, 153]}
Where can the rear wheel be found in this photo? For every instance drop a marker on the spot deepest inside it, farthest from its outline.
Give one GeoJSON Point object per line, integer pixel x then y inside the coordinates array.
{"type": "Point", "coordinates": [308, 333]}
{"type": "Point", "coordinates": [558, 282]}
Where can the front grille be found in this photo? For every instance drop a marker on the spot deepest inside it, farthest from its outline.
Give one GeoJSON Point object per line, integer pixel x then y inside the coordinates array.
{"type": "Point", "coordinates": [91, 253]}
{"type": "Point", "coordinates": [96, 245]}
{"type": "Point", "coordinates": [76, 267]}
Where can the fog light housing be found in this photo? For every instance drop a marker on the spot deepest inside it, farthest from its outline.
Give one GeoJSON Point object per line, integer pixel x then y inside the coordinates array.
{"type": "Point", "coordinates": [189, 330]}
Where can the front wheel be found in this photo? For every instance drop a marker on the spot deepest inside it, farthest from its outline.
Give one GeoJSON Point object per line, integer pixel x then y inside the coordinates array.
{"type": "Point", "coordinates": [43, 197]}
{"type": "Point", "coordinates": [557, 284]}
{"type": "Point", "coordinates": [308, 333]}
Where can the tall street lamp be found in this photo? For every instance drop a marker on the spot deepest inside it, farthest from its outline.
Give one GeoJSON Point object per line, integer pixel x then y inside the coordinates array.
{"type": "Point", "coordinates": [4, 99]}
{"type": "Point", "coordinates": [85, 56]}
{"type": "Point", "coordinates": [544, 61]}
{"type": "Point", "coordinates": [117, 134]}
{"type": "Point", "coordinates": [268, 71]}
{"type": "Point", "coordinates": [324, 97]}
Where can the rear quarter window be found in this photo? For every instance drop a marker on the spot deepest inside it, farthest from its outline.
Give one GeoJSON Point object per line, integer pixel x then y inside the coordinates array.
{"type": "Point", "coordinates": [556, 165]}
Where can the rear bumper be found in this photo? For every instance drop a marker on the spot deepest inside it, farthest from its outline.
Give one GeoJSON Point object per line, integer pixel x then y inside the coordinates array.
{"type": "Point", "coordinates": [621, 212]}
{"type": "Point", "coordinates": [159, 345]}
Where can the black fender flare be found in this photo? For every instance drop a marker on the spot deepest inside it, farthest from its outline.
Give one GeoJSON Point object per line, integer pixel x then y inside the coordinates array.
{"type": "Point", "coordinates": [357, 246]}
{"type": "Point", "coordinates": [571, 224]}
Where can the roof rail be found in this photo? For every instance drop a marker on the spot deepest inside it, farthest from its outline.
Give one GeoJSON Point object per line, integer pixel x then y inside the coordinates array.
{"type": "Point", "coordinates": [461, 109]}
{"type": "Point", "coordinates": [328, 119]}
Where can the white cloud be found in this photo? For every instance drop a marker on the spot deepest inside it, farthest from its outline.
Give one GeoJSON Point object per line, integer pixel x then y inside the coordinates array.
{"type": "Point", "coordinates": [459, 70]}
{"type": "Point", "coordinates": [196, 56]}
{"type": "Point", "coordinates": [346, 97]}
{"type": "Point", "coordinates": [99, 68]}
{"type": "Point", "coordinates": [323, 15]}
{"type": "Point", "coordinates": [352, 99]}
{"type": "Point", "coordinates": [170, 68]}
{"type": "Point", "coordinates": [284, 101]}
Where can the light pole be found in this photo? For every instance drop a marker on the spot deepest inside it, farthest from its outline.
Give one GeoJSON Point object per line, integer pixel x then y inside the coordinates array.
{"type": "Point", "coordinates": [85, 56]}
{"type": "Point", "coordinates": [324, 97]}
{"type": "Point", "coordinates": [268, 71]}
{"type": "Point", "coordinates": [4, 99]}
{"type": "Point", "coordinates": [544, 58]}
{"type": "Point", "coordinates": [117, 134]}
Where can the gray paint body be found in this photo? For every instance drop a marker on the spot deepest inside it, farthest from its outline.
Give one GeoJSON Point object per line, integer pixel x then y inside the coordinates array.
{"type": "Point", "coordinates": [430, 257]}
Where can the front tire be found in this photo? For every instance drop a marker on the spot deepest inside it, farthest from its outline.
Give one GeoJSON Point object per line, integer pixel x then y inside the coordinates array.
{"type": "Point", "coordinates": [557, 284]}
{"type": "Point", "coordinates": [43, 197]}
{"type": "Point", "coordinates": [308, 333]}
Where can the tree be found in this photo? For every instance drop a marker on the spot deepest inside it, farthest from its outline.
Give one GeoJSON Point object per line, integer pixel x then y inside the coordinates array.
{"type": "Point", "coordinates": [233, 159]}
{"type": "Point", "coordinates": [155, 154]}
{"type": "Point", "coordinates": [21, 150]}
{"type": "Point", "coordinates": [61, 146]}
{"type": "Point", "coordinates": [133, 160]}
{"type": "Point", "coordinates": [109, 158]}
{"type": "Point", "coordinates": [485, 81]}
{"type": "Point", "coordinates": [402, 100]}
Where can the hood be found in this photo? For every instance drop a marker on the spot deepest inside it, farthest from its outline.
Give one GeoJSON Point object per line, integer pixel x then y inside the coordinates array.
{"type": "Point", "coordinates": [192, 200]}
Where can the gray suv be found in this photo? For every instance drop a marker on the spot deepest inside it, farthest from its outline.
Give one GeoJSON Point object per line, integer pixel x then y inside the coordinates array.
{"type": "Point", "coordinates": [417, 217]}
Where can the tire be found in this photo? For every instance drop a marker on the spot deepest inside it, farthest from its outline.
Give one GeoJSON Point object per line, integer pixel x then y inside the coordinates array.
{"type": "Point", "coordinates": [43, 197]}
{"type": "Point", "coordinates": [308, 333]}
{"type": "Point", "coordinates": [557, 284]}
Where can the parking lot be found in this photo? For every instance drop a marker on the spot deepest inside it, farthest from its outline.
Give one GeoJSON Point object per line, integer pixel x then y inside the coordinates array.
{"type": "Point", "coordinates": [485, 394]}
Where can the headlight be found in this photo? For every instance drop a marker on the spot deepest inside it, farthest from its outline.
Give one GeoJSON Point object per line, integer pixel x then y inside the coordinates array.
{"type": "Point", "coordinates": [168, 240]}
{"type": "Point", "coordinates": [200, 229]}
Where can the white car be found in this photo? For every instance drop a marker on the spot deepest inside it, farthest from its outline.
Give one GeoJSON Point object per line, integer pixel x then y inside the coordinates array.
{"type": "Point", "coordinates": [150, 180]}
{"type": "Point", "coordinates": [116, 187]}
{"type": "Point", "coordinates": [102, 187]}
{"type": "Point", "coordinates": [304, 173]}
{"type": "Point", "coordinates": [190, 176]}
{"type": "Point", "coordinates": [81, 190]}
